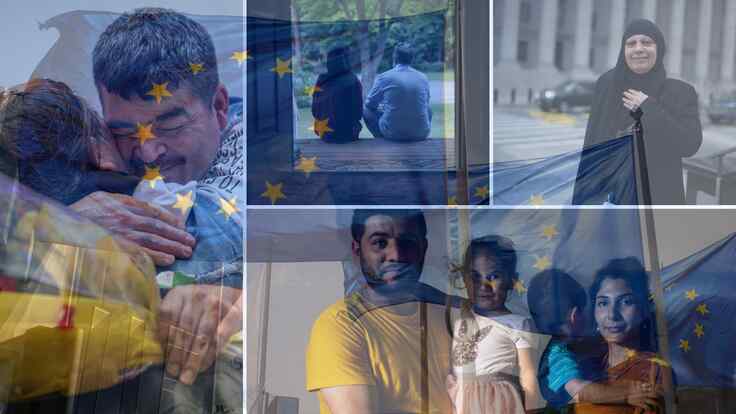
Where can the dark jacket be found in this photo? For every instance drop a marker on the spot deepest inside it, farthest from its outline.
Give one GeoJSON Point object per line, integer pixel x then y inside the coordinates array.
{"type": "Point", "coordinates": [672, 130]}
{"type": "Point", "coordinates": [339, 98]}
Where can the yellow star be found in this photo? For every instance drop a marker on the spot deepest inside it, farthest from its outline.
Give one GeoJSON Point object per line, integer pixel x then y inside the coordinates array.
{"type": "Point", "coordinates": [282, 67]}
{"type": "Point", "coordinates": [630, 353]}
{"type": "Point", "coordinates": [144, 132]}
{"type": "Point", "coordinates": [702, 309]}
{"type": "Point", "coordinates": [691, 294]}
{"type": "Point", "coordinates": [152, 175]}
{"type": "Point", "coordinates": [549, 232]}
{"type": "Point", "coordinates": [536, 200]}
{"type": "Point", "coordinates": [196, 67]}
{"type": "Point", "coordinates": [184, 202]}
{"type": "Point", "coordinates": [519, 287]}
{"type": "Point", "coordinates": [228, 207]}
{"type": "Point", "coordinates": [542, 263]}
{"type": "Point", "coordinates": [684, 345]}
{"type": "Point", "coordinates": [452, 201]}
{"type": "Point", "coordinates": [159, 91]}
{"type": "Point", "coordinates": [659, 361]}
{"type": "Point", "coordinates": [273, 192]}
{"type": "Point", "coordinates": [307, 165]}
{"type": "Point", "coordinates": [240, 56]}
{"type": "Point", "coordinates": [311, 90]}
{"type": "Point", "coordinates": [321, 127]}
{"type": "Point", "coordinates": [482, 191]}
{"type": "Point", "coordinates": [699, 330]}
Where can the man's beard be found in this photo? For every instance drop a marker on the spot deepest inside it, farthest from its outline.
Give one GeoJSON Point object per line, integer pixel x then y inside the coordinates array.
{"type": "Point", "coordinates": [391, 274]}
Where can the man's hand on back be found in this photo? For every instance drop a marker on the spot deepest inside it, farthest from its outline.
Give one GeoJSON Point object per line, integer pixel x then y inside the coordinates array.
{"type": "Point", "coordinates": [195, 323]}
{"type": "Point", "coordinates": [157, 231]}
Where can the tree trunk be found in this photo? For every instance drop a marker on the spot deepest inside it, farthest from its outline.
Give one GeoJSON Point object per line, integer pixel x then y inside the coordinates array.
{"type": "Point", "coordinates": [370, 60]}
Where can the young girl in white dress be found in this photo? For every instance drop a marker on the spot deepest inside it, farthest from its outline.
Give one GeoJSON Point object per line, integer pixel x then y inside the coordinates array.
{"type": "Point", "coordinates": [493, 350]}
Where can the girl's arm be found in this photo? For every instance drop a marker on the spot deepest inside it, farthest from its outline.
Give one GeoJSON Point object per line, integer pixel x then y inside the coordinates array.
{"type": "Point", "coordinates": [528, 378]}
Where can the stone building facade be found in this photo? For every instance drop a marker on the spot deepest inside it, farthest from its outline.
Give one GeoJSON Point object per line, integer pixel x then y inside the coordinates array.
{"type": "Point", "coordinates": [538, 44]}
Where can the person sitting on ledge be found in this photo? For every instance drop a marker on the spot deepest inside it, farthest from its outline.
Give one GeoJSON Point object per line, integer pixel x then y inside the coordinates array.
{"type": "Point", "coordinates": [397, 107]}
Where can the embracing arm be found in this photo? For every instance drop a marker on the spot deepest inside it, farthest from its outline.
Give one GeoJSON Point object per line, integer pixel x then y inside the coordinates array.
{"type": "Point", "coordinates": [528, 379]}
{"type": "Point", "coordinates": [674, 119]}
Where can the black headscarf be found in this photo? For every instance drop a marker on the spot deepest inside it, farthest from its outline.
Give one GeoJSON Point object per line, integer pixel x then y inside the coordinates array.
{"type": "Point", "coordinates": [651, 83]}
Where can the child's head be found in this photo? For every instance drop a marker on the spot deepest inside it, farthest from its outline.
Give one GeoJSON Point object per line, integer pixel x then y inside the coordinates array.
{"type": "Point", "coordinates": [45, 136]}
{"type": "Point", "coordinates": [490, 271]}
{"type": "Point", "coordinates": [556, 302]}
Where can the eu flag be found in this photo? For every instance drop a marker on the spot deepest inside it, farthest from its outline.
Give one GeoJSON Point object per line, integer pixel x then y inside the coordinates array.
{"type": "Point", "coordinates": [608, 177]}
{"type": "Point", "coordinates": [700, 303]}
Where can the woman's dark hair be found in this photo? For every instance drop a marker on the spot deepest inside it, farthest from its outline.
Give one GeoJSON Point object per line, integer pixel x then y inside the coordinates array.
{"type": "Point", "coordinates": [337, 61]}
{"type": "Point", "coordinates": [499, 247]}
{"type": "Point", "coordinates": [46, 132]}
{"type": "Point", "coordinates": [631, 271]}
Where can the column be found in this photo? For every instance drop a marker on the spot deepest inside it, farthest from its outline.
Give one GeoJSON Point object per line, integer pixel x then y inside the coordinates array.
{"type": "Point", "coordinates": [583, 34]}
{"type": "Point", "coordinates": [616, 30]}
{"type": "Point", "coordinates": [548, 34]}
{"type": "Point", "coordinates": [675, 42]}
{"type": "Point", "coordinates": [649, 10]}
{"type": "Point", "coordinates": [702, 55]}
{"type": "Point", "coordinates": [510, 33]}
{"type": "Point", "coordinates": [729, 43]}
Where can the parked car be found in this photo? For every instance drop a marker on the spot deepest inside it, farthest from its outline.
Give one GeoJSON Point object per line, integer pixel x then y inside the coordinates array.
{"type": "Point", "coordinates": [722, 109]}
{"type": "Point", "coordinates": [566, 96]}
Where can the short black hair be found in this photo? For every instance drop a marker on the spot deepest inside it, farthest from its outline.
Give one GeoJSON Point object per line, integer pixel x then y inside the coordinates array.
{"type": "Point", "coordinates": [154, 45]}
{"type": "Point", "coordinates": [631, 271]}
{"type": "Point", "coordinates": [360, 217]}
{"type": "Point", "coordinates": [403, 54]}
{"type": "Point", "coordinates": [552, 294]}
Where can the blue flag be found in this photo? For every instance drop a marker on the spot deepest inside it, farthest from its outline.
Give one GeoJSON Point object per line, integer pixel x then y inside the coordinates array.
{"type": "Point", "coordinates": [607, 177]}
{"type": "Point", "coordinates": [700, 302]}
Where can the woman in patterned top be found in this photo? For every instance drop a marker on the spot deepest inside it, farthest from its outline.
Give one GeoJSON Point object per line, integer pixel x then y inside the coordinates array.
{"type": "Point", "coordinates": [493, 367]}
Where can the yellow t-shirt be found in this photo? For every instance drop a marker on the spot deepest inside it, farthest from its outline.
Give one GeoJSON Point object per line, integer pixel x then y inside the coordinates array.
{"type": "Point", "coordinates": [381, 347]}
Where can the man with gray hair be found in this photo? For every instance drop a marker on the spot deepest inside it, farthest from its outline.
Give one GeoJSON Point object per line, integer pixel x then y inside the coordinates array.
{"type": "Point", "coordinates": [397, 107]}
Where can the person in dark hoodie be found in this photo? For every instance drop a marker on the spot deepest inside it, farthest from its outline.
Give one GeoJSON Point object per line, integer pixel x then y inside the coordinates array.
{"type": "Point", "coordinates": [338, 99]}
{"type": "Point", "coordinates": [639, 86]}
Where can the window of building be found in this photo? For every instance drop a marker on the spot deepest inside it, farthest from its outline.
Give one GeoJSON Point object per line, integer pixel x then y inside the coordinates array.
{"type": "Point", "coordinates": [558, 55]}
{"type": "Point", "coordinates": [522, 54]}
{"type": "Point", "coordinates": [525, 14]}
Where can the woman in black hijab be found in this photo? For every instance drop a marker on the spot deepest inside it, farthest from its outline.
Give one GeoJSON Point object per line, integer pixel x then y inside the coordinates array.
{"type": "Point", "coordinates": [338, 100]}
{"type": "Point", "coordinates": [668, 107]}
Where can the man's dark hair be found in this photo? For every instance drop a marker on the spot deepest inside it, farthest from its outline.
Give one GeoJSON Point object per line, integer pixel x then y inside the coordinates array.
{"type": "Point", "coordinates": [551, 296]}
{"type": "Point", "coordinates": [153, 45]}
{"type": "Point", "coordinates": [360, 217]}
{"type": "Point", "coordinates": [403, 54]}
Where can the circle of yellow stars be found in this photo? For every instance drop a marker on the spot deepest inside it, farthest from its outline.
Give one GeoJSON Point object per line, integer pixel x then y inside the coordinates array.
{"type": "Point", "coordinates": [699, 330]}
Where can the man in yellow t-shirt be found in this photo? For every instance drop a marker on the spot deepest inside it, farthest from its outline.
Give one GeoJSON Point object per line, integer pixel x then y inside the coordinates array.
{"type": "Point", "coordinates": [385, 349]}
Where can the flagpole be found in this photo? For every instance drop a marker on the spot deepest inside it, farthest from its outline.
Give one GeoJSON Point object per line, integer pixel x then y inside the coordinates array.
{"type": "Point", "coordinates": [461, 155]}
{"type": "Point", "coordinates": [262, 396]}
{"type": "Point", "coordinates": [655, 278]}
